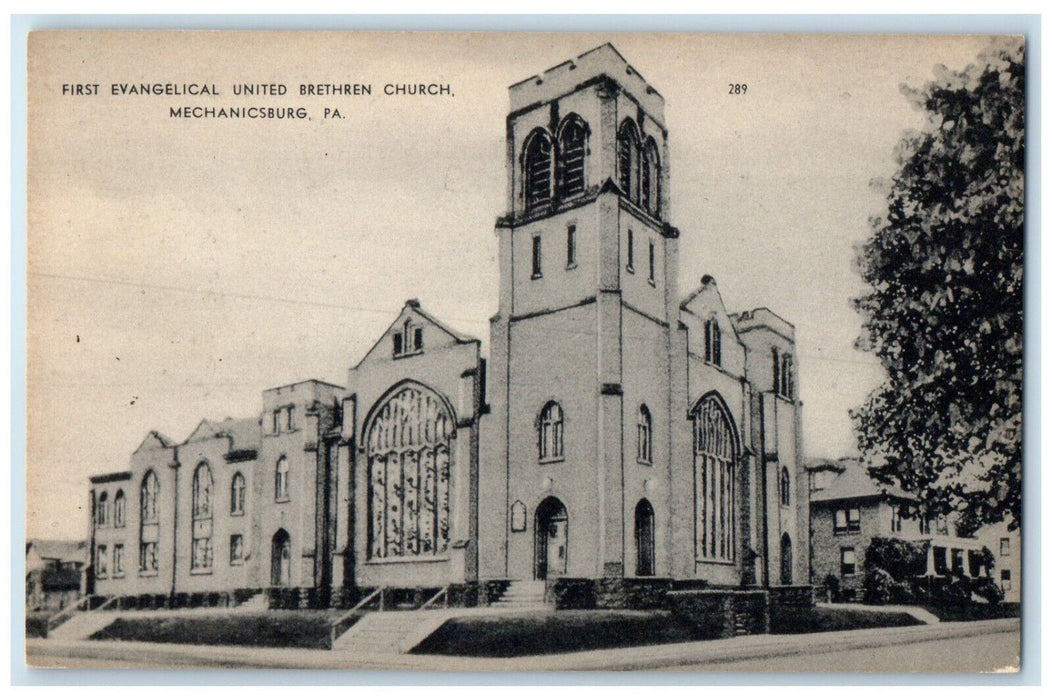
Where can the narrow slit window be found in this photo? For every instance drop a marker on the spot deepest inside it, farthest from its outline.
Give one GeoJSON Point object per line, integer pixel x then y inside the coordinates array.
{"type": "Point", "coordinates": [536, 256]}
{"type": "Point", "coordinates": [571, 245]}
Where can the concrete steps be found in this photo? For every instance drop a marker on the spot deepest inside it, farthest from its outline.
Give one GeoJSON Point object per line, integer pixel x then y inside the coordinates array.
{"type": "Point", "coordinates": [391, 632]}
{"type": "Point", "coordinates": [522, 595]}
{"type": "Point", "coordinates": [82, 626]}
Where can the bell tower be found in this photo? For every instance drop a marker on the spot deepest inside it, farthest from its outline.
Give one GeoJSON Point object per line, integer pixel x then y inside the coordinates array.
{"type": "Point", "coordinates": [580, 346]}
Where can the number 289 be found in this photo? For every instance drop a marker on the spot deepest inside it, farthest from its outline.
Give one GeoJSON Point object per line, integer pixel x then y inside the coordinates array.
{"type": "Point", "coordinates": [737, 88]}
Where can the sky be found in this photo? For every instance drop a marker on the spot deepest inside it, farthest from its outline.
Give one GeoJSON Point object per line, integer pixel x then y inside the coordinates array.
{"type": "Point", "coordinates": [178, 267]}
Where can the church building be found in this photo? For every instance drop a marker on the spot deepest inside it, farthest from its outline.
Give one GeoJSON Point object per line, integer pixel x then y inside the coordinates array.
{"type": "Point", "coordinates": [620, 433]}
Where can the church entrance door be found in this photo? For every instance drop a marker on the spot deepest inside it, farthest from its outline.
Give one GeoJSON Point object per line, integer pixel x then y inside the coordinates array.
{"type": "Point", "coordinates": [551, 538]}
{"type": "Point", "coordinates": [280, 559]}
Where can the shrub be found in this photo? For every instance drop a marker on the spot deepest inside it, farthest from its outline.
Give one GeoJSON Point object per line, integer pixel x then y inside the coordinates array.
{"type": "Point", "coordinates": [902, 560]}
{"type": "Point", "coordinates": [952, 590]}
{"type": "Point", "coordinates": [876, 586]}
{"type": "Point", "coordinates": [901, 592]}
{"type": "Point", "coordinates": [987, 589]}
{"type": "Point", "coordinates": [832, 584]}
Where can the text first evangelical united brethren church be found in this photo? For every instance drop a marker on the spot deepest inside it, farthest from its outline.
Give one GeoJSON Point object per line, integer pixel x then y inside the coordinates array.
{"type": "Point", "coordinates": [620, 434]}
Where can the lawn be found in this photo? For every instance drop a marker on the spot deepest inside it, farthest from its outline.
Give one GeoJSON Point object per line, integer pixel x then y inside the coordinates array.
{"type": "Point", "coordinates": [971, 611]}
{"type": "Point", "coordinates": [275, 628]}
{"type": "Point", "coordinates": [786, 620]}
{"type": "Point", "coordinates": [584, 630]}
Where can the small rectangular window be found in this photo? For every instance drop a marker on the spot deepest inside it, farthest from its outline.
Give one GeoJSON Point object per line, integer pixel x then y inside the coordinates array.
{"type": "Point", "coordinates": [101, 562]}
{"type": "Point", "coordinates": [571, 245]}
{"type": "Point", "coordinates": [277, 422]}
{"type": "Point", "coordinates": [118, 560]}
{"type": "Point", "coordinates": [847, 561]}
{"type": "Point", "coordinates": [397, 338]}
{"type": "Point", "coordinates": [938, 555]}
{"type": "Point", "coordinates": [1006, 547]}
{"type": "Point", "coordinates": [237, 549]}
{"type": "Point", "coordinates": [418, 339]}
{"type": "Point", "coordinates": [536, 257]}
{"type": "Point", "coordinates": [288, 418]}
{"type": "Point", "coordinates": [1006, 580]}
{"type": "Point", "coordinates": [631, 251]}
{"type": "Point", "coordinates": [651, 277]}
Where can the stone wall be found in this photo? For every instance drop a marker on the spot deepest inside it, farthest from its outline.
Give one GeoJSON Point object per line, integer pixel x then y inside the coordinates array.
{"type": "Point", "coordinates": [793, 596]}
{"type": "Point", "coordinates": [722, 613]}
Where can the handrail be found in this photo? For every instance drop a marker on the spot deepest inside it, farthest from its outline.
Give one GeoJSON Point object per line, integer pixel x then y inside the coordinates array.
{"type": "Point", "coordinates": [347, 615]}
{"type": "Point", "coordinates": [444, 593]}
{"type": "Point", "coordinates": [67, 611]}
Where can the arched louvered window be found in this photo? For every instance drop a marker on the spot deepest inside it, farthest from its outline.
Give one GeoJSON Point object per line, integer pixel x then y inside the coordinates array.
{"type": "Point", "coordinates": [650, 176]}
{"type": "Point", "coordinates": [550, 432]}
{"type": "Point", "coordinates": [628, 159]}
{"type": "Point", "coordinates": [409, 444]}
{"type": "Point", "coordinates": [201, 552]}
{"type": "Point", "coordinates": [715, 456]}
{"type": "Point", "coordinates": [573, 143]}
{"type": "Point", "coordinates": [713, 342]}
{"type": "Point", "coordinates": [644, 440]}
{"type": "Point", "coordinates": [237, 494]}
{"type": "Point", "coordinates": [785, 487]}
{"type": "Point", "coordinates": [537, 169]}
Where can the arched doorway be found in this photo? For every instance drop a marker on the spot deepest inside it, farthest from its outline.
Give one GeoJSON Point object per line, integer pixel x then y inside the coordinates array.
{"type": "Point", "coordinates": [280, 559]}
{"type": "Point", "coordinates": [551, 538]}
{"type": "Point", "coordinates": [644, 538]}
{"type": "Point", "coordinates": [787, 560]}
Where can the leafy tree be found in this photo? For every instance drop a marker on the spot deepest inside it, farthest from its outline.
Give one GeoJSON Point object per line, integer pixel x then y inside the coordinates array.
{"type": "Point", "coordinates": [944, 312]}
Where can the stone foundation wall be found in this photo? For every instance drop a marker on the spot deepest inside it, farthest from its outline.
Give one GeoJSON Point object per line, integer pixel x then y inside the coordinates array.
{"type": "Point", "coordinates": [793, 596]}
{"type": "Point", "coordinates": [722, 613]}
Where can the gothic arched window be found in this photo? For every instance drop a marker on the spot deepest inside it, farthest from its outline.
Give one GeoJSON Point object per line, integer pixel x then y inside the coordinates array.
{"type": "Point", "coordinates": [785, 487]}
{"type": "Point", "coordinates": [715, 454]}
{"type": "Point", "coordinates": [644, 441]}
{"type": "Point", "coordinates": [628, 159]}
{"type": "Point", "coordinates": [237, 494]}
{"type": "Point", "coordinates": [102, 514]}
{"type": "Point", "coordinates": [537, 169]}
{"type": "Point", "coordinates": [409, 445]}
{"type": "Point", "coordinates": [550, 432]}
{"type": "Point", "coordinates": [201, 553]}
{"type": "Point", "coordinates": [569, 168]}
{"type": "Point", "coordinates": [118, 509]}
{"type": "Point", "coordinates": [281, 479]}
{"type": "Point", "coordinates": [148, 523]}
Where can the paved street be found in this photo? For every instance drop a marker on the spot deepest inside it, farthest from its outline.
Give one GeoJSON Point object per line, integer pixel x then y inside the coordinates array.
{"type": "Point", "coordinates": [948, 647]}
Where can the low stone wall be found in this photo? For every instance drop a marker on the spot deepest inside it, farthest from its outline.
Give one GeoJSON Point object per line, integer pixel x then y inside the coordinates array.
{"type": "Point", "coordinates": [572, 593]}
{"type": "Point", "coordinates": [793, 596]}
{"type": "Point", "coordinates": [720, 614]}
{"type": "Point", "coordinates": [632, 593]}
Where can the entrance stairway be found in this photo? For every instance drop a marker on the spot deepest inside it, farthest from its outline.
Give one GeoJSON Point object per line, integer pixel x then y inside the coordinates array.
{"type": "Point", "coordinates": [522, 595]}
{"type": "Point", "coordinates": [391, 632]}
{"type": "Point", "coordinates": [257, 602]}
{"type": "Point", "coordinates": [82, 626]}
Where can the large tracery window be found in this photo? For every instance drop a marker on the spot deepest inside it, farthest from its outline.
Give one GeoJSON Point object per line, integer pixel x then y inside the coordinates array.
{"type": "Point", "coordinates": [409, 450]}
{"type": "Point", "coordinates": [201, 559]}
{"type": "Point", "coordinates": [569, 168]}
{"type": "Point", "coordinates": [537, 169]}
{"type": "Point", "coordinates": [550, 433]}
{"type": "Point", "coordinates": [714, 460]}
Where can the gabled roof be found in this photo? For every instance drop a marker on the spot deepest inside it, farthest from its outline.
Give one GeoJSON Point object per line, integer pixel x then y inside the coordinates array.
{"type": "Point", "coordinates": [244, 432]}
{"type": "Point", "coordinates": [154, 440]}
{"type": "Point", "coordinates": [854, 483]}
{"type": "Point", "coordinates": [59, 550]}
{"type": "Point", "coordinates": [412, 308]}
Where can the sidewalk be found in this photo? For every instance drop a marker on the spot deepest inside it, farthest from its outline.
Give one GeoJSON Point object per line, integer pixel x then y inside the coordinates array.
{"type": "Point", "coordinates": [59, 654]}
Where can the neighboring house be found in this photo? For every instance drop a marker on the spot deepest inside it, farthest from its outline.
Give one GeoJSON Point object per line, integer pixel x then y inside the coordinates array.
{"type": "Point", "coordinates": [1007, 549]}
{"type": "Point", "coordinates": [849, 509]}
{"type": "Point", "coordinates": [54, 573]}
{"type": "Point", "coordinates": [621, 430]}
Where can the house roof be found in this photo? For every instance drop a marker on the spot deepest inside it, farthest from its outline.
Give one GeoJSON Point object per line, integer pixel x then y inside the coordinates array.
{"type": "Point", "coordinates": [243, 431]}
{"type": "Point", "coordinates": [854, 482]}
{"type": "Point", "coordinates": [60, 550]}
